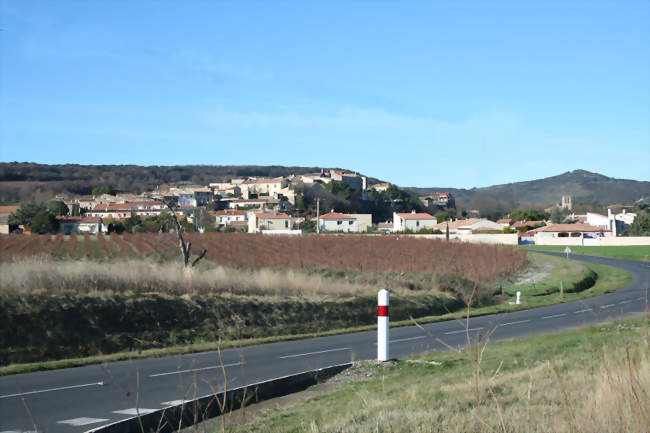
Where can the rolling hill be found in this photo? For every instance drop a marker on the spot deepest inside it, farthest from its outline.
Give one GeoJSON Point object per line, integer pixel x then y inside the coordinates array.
{"type": "Point", "coordinates": [582, 185]}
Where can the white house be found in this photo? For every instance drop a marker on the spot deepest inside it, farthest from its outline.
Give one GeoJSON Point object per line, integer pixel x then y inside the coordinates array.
{"type": "Point", "coordinates": [337, 222]}
{"type": "Point", "coordinates": [263, 186]}
{"type": "Point", "coordinates": [412, 221]}
{"type": "Point", "coordinates": [581, 231]}
{"type": "Point", "coordinates": [262, 203]}
{"type": "Point", "coordinates": [69, 225]}
{"type": "Point", "coordinates": [262, 221]}
{"type": "Point", "coordinates": [617, 223]}
{"type": "Point", "coordinates": [125, 210]}
{"type": "Point", "coordinates": [228, 216]}
{"type": "Point", "coordinates": [469, 226]}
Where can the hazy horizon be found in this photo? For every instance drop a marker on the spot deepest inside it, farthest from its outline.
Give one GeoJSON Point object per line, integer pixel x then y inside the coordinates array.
{"type": "Point", "coordinates": [421, 94]}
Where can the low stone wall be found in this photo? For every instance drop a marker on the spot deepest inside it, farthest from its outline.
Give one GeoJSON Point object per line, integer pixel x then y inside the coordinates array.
{"type": "Point", "coordinates": [540, 240]}
{"type": "Point", "coordinates": [608, 241]}
{"type": "Point", "coordinates": [624, 241]}
{"type": "Point", "coordinates": [499, 239]}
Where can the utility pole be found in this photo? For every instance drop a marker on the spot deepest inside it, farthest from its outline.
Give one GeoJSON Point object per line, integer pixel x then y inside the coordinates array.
{"type": "Point", "coordinates": [317, 215]}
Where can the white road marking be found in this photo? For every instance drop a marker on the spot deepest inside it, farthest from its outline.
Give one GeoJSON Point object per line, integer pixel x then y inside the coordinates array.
{"type": "Point", "coordinates": [407, 339]}
{"type": "Point", "coordinates": [514, 323]}
{"type": "Point", "coordinates": [641, 298]}
{"type": "Point", "coordinates": [172, 403]}
{"type": "Point", "coordinates": [625, 302]}
{"type": "Point", "coordinates": [82, 421]}
{"type": "Point", "coordinates": [135, 411]}
{"type": "Point", "coordinates": [315, 353]}
{"type": "Point", "coordinates": [554, 316]}
{"type": "Point", "coordinates": [607, 306]}
{"type": "Point", "coordinates": [212, 367]}
{"type": "Point", "coordinates": [582, 311]}
{"type": "Point", "coordinates": [463, 330]}
{"type": "Point", "coordinates": [49, 390]}
{"type": "Point", "coordinates": [18, 431]}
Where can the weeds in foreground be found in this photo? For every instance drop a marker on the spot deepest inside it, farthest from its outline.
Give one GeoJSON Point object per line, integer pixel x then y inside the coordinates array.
{"type": "Point", "coordinates": [590, 380]}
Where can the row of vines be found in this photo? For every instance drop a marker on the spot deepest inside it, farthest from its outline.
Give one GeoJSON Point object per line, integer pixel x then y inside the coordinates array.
{"type": "Point", "coordinates": [347, 252]}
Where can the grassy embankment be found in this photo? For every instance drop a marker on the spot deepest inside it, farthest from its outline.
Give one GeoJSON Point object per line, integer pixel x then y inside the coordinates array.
{"type": "Point", "coordinates": [99, 312]}
{"type": "Point", "coordinates": [640, 252]}
{"type": "Point", "coordinates": [595, 379]}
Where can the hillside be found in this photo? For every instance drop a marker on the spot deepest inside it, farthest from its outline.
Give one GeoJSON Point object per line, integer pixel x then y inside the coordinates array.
{"type": "Point", "coordinates": [24, 181]}
{"type": "Point", "coordinates": [582, 185]}
{"type": "Point", "coordinates": [31, 181]}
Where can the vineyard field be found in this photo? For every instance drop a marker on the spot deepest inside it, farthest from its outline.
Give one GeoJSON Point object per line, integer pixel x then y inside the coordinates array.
{"type": "Point", "coordinates": [244, 251]}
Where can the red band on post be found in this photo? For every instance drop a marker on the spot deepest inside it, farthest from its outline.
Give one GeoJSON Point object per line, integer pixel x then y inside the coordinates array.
{"type": "Point", "coordinates": [382, 311]}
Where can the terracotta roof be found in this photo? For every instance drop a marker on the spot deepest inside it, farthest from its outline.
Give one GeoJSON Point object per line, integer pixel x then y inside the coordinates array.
{"type": "Point", "coordinates": [458, 223]}
{"type": "Point", "coordinates": [269, 216]}
{"type": "Point", "coordinates": [253, 200]}
{"type": "Point", "coordinates": [264, 180]}
{"type": "Point", "coordinates": [504, 221]}
{"type": "Point", "coordinates": [571, 228]}
{"type": "Point", "coordinates": [416, 216]}
{"type": "Point", "coordinates": [239, 223]}
{"type": "Point", "coordinates": [9, 209]}
{"type": "Point", "coordinates": [231, 212]}
{"type": "Point", "coordinates": [124, 206]}
{"type": "Point", "coordinates": [527, 223]}
{"type": "Point", "coordinates": [385, 225]}
{"type": "Point", "coordinates": [73, 219]}
{"type": "Point", "coordinates": [336, 216]}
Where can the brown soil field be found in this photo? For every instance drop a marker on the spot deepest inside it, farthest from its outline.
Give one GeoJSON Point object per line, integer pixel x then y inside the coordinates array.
{"type": "Point", "coordinates": [249, 251]}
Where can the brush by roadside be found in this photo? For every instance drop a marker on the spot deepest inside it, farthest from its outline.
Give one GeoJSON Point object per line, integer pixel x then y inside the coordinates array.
{"type": "Point", "coordinates": [594, 379]}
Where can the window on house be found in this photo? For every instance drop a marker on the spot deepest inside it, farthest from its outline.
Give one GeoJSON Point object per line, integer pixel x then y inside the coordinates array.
{"type": "Point", "coordinates": [417, 224]}
{"type": "Point", "coordinates": [286, 224]}
{"type": "Point", "coordinates": [350, 222]}
{"type": "Point", "coordinates": [338, 223]}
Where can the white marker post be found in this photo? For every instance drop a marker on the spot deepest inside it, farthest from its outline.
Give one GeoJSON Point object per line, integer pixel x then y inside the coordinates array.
{"type": "Point", "coordinates": [382, 325]}
{"type": "Point", "coordinates": [567, 250]}
{"type": "Point", "coordinates": [518, 298]}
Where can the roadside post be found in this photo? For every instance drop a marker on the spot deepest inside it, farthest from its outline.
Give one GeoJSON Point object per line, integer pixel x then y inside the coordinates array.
{"type": "Point", "coordinates": [567, 250]}
{"type": "Point", "coordinates": [518, 298]}
{"type": "Point", "coordinates": [382, 325]}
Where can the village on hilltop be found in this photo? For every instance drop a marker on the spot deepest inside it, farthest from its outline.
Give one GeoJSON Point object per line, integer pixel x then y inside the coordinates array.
{"type": "Point", "coordinates": [269, 206]}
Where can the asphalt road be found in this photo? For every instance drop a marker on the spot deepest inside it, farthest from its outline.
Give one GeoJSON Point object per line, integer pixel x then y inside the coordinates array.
{"type": "Point", "coordinates": [79, 399]}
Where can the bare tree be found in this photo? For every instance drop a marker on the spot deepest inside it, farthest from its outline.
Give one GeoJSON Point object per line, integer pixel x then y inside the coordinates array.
{"type": "Point", "coordinates": [184, 247]}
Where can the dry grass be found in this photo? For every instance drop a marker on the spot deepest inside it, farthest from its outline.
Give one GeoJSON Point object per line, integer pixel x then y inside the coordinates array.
{"type": "Point", "coordinates": [42, 274]}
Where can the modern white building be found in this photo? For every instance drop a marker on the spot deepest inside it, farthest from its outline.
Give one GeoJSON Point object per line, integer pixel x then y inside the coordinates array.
{"type": "Point", "coordinates": [337, 222]}
{"type": "Point", "coordinates": [228, 216]}
{"type": "Point", "coordinates": [262, 221]}
{"type": "Point", "coordinates": [69, 225]}
{"type": "Point", "coordinates": [581, 231]}
{"type": "Point", "coordinates": [263, 186]}
{"type": "Point", "coordinates": [469, 226]}
{"type": "Point", "coordinates": [412, 221]}
{"type": "Point", "coordinates": [617, 223]}
{"type": "Point", "coordinates": [125, 210]}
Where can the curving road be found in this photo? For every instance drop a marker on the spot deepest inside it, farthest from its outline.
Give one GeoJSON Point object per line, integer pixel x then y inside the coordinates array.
{"type": "Point", "coordinates": [80, 399]}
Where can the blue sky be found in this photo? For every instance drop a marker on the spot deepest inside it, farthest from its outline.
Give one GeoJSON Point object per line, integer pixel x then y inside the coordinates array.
{"type": "Point", "coordinates": [434, 93]}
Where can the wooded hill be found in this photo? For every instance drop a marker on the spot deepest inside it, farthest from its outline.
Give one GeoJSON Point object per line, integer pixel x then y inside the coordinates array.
{"type": "Point", "coordinates": [582, 185]}
{"type": "Point", "coordinates": [39, 182]}
{"type": "Point", "coordinates": [26, 181]}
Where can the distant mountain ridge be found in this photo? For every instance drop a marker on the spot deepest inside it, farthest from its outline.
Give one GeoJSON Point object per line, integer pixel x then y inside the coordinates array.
{"type": "Point", "coordinates": [581, 185]}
